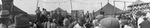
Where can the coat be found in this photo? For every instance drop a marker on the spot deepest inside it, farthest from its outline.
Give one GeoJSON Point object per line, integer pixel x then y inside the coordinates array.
{"type": "Point", "coordinates": [21, 20]}
{"type": "Point", "coordinates": [145, 24]}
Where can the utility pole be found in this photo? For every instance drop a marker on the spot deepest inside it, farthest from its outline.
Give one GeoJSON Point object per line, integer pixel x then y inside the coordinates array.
{"type": "Point", "coordinates": [37, 4]}
{"type": "Point", "coordinates": [71, 4]}
{"type": "Point", "coordinates": [108, 1]}
{"type": "Point", "coordinates": [114, 10]}
{"type": "Point", "coordinates": [124, 5]}
{"type": "Point", "coordinates": [59, 3]}
{"type": "Point", "coordinates": [101, 5]}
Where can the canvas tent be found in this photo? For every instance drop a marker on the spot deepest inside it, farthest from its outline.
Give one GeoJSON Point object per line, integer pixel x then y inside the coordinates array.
{"type": "Point", "coordinates": [10, 9]}
{"type": "Point", "coordinates": [8, 5]}
{"type": "Point", "coordinates": [16, 11]}
{"type": "Point", "coordinates": [109, 9]}
{"type": "Point", "coordinates": [59, 9]}
{"type": "Point", "coordinates": [137, 2]}
{"type": "Point", "coordinates": [63, 12]}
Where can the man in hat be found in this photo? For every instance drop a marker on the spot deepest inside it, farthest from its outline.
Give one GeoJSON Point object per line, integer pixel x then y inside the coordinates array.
{"type": "Point", "coordinates": [43, 16]}
{"type": "Point", "coordinates": [79, 24]}
{"type": "Point", "coordinates": [21, 21]}
{"type": "Point", "coordinates": [38, 12]}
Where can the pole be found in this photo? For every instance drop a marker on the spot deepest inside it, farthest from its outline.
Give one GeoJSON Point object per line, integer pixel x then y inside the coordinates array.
{"type": "Point", "coordinates": [11, 11]}
{"type": "Point", "coordinates": [101, 5]}
{"type": "Point", "coordinates": [108, 1]}
{"type": "Point", "coordinates": [59, 4]}
{"type": "Point", "coordinates": [12, 8]}
{"type": "Point", "coordinates": [124, 5]}
{"type": "Point", "coordinates": [71, 4]}
{"type": "Point", "coordinates": [114, 9]}
{"type": "Point", "coordinates": [37, 4]}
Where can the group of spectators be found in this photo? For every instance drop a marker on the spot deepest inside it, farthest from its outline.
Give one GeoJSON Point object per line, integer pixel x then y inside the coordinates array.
{"type": "Point", "coordinates": [56, 17]}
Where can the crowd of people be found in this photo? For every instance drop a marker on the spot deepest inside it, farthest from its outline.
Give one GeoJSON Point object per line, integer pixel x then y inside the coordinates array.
{"type": "Point", "coordinates": [59, 19]}
{"type": "Point", "coordinates": [62, 19]}
{"type": "Point", "coordinates": [55, 19]}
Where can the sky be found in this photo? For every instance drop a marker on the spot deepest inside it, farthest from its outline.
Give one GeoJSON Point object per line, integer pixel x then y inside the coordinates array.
{"type": "Point", "coordinates": [29, 6]}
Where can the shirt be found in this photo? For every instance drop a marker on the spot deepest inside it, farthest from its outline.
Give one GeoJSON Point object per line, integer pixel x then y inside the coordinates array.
{"type": "Point", "coordinates": [95, 22]}
{"type": "Point", "coordinates": [44, 12]}
{"type": "Point", "coordinates": [78, 26]}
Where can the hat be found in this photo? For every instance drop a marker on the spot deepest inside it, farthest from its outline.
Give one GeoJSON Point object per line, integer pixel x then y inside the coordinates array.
{"type": "Point", "coordinates": [110, 22]}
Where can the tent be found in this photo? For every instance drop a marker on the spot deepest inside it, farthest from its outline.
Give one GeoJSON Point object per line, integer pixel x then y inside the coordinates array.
{"type": "Point", "coordinates": [63, 12]}
{"type": "Point", "coordinates": [7, 4]}
{"type": "Point", "coordinates": [59, 9]}
{"type": "Point", "coordinates": [135, 3]}
{"type": "Point", "coordinates": [16, 11]}
{"type": "Point", "coordinates": [109, 9]}
{"type": "Point", "coordinates": [97, 12]}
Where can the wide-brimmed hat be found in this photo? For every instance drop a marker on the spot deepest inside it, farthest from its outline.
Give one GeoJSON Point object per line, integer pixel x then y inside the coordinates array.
{"type": "Point", "coordinates": [110, 22]}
